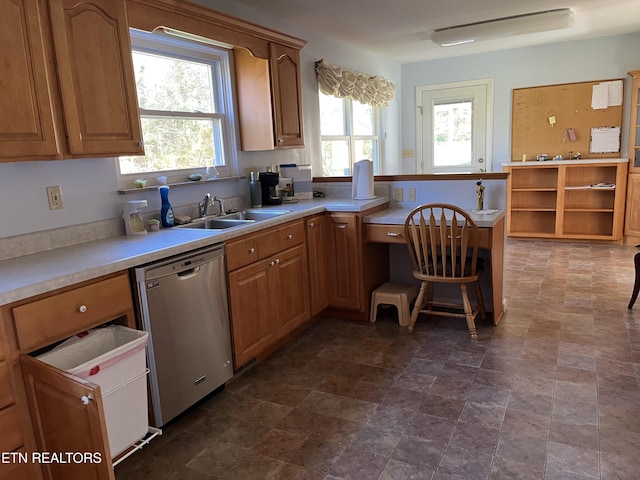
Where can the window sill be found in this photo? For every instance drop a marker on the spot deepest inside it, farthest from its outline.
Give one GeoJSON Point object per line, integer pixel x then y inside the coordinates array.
{"type": "Point", "coordinates": [127, 191]}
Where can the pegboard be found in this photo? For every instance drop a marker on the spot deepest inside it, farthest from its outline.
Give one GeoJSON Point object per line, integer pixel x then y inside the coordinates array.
{"type": "Point", "coordinates": [569, 104]}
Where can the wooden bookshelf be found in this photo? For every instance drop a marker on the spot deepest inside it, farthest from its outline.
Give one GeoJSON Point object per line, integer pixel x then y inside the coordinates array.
{"type": "Point", "coordinates": [572, 199]}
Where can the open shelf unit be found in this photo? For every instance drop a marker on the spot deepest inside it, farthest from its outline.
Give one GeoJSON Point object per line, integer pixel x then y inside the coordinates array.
{"type": "Point", "coordinates": [582, 200]}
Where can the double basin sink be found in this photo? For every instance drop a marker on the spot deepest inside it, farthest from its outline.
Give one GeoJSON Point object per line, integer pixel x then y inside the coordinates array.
{"type": "Point", "coordinates": [235, 219]}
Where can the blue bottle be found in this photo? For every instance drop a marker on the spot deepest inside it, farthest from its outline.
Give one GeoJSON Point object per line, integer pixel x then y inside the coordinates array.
{"type": "Point", "coordinates": [166, 213]}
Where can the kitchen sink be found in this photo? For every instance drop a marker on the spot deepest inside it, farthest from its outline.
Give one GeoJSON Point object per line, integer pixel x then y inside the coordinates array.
{"type": "Point", "coordinates": [216, 223]}
{"type": "Point", "coordinates": [257, 215]}
{"type": "Point", "coordinates": [236, 219]}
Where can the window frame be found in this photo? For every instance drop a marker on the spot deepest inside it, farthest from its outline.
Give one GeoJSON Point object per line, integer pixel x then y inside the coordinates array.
{"type": "Point", "coordinates": [221, 61]}
{"type": "Point", "coordinates": [351, 138]}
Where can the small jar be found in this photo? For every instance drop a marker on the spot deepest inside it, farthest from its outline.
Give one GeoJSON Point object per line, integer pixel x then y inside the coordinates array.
{"type": "Point", "coordinates": [153, 225]}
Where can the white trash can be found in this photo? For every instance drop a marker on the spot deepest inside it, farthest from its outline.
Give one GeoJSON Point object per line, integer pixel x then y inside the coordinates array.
{"type": "Point", "coordinates": [114, 358]}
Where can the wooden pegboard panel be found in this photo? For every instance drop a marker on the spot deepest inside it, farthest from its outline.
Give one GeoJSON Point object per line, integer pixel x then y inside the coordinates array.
{"type": "Point", "coordinates": [570, 104]}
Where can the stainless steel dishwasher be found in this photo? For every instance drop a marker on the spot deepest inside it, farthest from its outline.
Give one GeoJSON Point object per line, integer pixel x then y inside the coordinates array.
{"type": "Point", "coordinates": [183, 305]}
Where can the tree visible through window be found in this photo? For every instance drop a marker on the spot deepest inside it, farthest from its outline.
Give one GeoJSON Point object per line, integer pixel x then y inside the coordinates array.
{"type": "Point", "coordinates": [183, 106]}
{"type": "Point", "coordinates": [350, 132]}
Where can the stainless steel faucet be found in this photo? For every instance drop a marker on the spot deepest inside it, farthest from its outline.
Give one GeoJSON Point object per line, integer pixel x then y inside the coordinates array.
{"type": "Point", "coordinates": [220, 202]}
{"type": "Point", "coordinates": [203, 206]}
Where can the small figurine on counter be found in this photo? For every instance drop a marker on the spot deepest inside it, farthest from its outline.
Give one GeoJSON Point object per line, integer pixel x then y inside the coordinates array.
{"type": "Point", "coordinates": [480, 195]}
{"type": "Point", "coordinates": [578, 156]}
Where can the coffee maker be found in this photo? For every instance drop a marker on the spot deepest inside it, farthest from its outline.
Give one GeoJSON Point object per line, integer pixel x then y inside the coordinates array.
{"type": "Point", "coordinates": [269, 183]}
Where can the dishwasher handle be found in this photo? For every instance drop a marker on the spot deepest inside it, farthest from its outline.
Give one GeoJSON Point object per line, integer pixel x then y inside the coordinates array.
{"type": "Point", "coordinates": [186, 274]}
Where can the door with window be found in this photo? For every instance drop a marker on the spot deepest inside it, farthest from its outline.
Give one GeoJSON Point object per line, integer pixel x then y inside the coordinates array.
{"type": "Point", "coordinates": [454, 127]}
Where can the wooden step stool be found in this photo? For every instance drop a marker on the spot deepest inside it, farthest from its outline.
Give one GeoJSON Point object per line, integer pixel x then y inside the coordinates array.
{"type": "Point", "coordinates": [396, 294]}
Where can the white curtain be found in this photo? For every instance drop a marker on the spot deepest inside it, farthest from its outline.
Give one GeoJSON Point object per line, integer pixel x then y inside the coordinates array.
{"type": "Point", "coordinates": [342, 82]}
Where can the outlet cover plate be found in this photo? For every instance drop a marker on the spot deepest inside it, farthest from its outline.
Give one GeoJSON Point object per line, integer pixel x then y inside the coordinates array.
{"type": "Point", "coordinates": [411, 194]}
{"type": "Point", "coordinates": [54, 194]}
{"type": "Point", "coordinates": [398, 195]}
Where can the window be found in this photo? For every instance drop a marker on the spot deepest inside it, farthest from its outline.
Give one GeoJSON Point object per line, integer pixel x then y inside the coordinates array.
{"type": "Point", "coordinates": [350, 131]}
{"type": "Point", "coordinates": [184, 95]}
{"type": "Point", "coordinates": [454, 127]}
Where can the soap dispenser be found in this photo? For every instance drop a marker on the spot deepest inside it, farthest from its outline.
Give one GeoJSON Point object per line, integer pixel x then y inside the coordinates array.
{"type": "Point", "coordinates": [166, 213]}
{"type": "Point", "coordinates": [133, 223]}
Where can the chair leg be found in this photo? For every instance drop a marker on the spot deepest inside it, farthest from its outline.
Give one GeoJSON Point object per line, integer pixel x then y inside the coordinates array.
{"type": "Point", "coordinates": [636, 285]}
{"type": "Point", "coordinates": [416, 307]}
{"type": "Point", "coordinates": [471, 324]}
{"type": "Point", "coordinates": [483, 312]}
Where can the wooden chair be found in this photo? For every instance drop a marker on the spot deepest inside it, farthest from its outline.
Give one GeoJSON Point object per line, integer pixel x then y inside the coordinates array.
{"type": "Point", "coordinates": [636, 284]}
{"type": "Point", "coordinates": [443, 246]}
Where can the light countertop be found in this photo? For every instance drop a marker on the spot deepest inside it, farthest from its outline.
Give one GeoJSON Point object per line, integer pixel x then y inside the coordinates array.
{"type": "Point", "coordinates": [397, 216]}
{"type": "Point", "coordinates": [30, 275]}
{"type": "Point", "coordinates": [586, 161]}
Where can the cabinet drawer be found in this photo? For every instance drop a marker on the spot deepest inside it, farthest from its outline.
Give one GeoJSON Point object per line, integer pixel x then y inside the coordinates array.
{"type": "Point", "coordinates": [11, 437]}
{"type": "Point", "coordinates": [281, 239]}
{"type": "Point", "coordinates": [395, 234]}
{"type": "Point", "coordinates": [262, 245]}
{"type": "Point", "coordinates": [241, 253]}
{"type": "Point", "coordinates": [44, 321]}
{"type": "Point", "coordinates": [384, 233]}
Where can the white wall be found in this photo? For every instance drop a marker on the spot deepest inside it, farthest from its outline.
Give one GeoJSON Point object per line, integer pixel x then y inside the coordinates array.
{"type": "Point", "coordinates": [579, 61]}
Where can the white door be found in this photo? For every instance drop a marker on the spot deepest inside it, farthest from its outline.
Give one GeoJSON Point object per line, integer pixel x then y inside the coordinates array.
{"type": "Point", "coordinates": [454, 127]}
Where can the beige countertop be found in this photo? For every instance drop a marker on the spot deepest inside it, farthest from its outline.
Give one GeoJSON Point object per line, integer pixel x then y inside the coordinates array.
{"type": "Point", "coordinates": [397, 216]}
{"type": "Point", "coordinates": [30, 275]}
{"type": "Point", "coordinates": [586, 161]}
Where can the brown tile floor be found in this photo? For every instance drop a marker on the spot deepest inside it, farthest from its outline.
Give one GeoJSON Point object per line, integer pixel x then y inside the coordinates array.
{"type": "Point", "coordinates": [551, 393]}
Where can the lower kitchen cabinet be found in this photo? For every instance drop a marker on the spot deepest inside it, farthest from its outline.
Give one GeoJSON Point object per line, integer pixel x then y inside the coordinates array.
{"type": "Point", "coordinates": [355, 268]}
{"type": "Point", "coordinates": [268, 299]}
{"type": "Point", "coordinates": [55, 411]}
{"type": "Point", "coordinates": [317, 241]}
{"type": "Point", "coordinates": [268, 289]}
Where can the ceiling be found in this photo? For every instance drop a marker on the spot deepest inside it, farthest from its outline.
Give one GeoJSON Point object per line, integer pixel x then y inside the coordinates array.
{"type": "Point", "coordinates": [399, 29]}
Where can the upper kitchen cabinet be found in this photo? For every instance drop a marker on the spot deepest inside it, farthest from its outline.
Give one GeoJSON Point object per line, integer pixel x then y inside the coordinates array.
{"type": "Point", "coordinates": [286, 95]}
{"type": "Point", "coordinates": [95, 71]}
{"type": "Point", "coordinates": [27, 127]}
{"type": "Point", "coordinates": [269, 98]}
{"type": "Point", "coordinates": [71, 88]}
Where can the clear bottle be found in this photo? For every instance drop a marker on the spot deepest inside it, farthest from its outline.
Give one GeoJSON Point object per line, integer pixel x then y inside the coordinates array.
{"type": "Point", "coordinates": [255, 189]}
{"type": "Point", "coordinates": [166, 213]}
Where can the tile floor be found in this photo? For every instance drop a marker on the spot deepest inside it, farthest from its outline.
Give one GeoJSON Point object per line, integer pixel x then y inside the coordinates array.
{"type": "Point", "coordinates": [551, 393]}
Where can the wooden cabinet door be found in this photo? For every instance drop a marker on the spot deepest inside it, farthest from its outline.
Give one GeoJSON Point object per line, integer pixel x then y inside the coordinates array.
{"type": "Point", "coordinates": [290, 288]}
{"type": "Point", "coordinates": [253, 313]}
{"type": "Point", "coordinates": [632, 220]}
{"type": "Point", "coordinates": [286, 95]}
{"type": "Point", "coordinates": [26, 114]}
{"type": "Point", "coordinates": [63, 423]}
{"type": "Point", "coordinates": [95, 71]}
{"type": "Point", "coordinates": [344, 262]}
{"type": "Point", "coordinates": [316, 250]}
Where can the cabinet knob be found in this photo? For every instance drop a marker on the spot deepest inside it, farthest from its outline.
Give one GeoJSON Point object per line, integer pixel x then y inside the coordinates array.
{"type": "Point", "coordinates": [141, 143]}
{"type": "Point", "coordinates": [311, 225]}
{"type": "Point", "coordinates": [85, 399]}
{"type": "Point", "coordinates": [252, 250]}
{"type": "Point", "coordinates": [280, 140]}
{"type": "Point", "coordinates": [82, 308]}
{"type": "Point", "coordinates": [277, 261]}
{"type": "Point", "coordinates": [289, 237]}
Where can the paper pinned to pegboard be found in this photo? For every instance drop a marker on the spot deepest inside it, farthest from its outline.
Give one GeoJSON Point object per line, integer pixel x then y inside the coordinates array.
{"type": "Point", "coordinates": [605, 140]}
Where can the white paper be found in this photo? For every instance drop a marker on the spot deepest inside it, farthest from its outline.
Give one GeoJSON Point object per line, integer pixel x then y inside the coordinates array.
{"type": "Point", "coordinates": [615, 93]}
{"type": "Point", "coordinates": [605, 140]}
{"type": "Point", "coordinates": [606, 94]}
{"type": "Point", "coordinates": [600, 97]}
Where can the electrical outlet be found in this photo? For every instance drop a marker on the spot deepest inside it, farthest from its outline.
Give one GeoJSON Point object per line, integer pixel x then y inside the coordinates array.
{"type": "Point", "coordinates": [398, 195]}
{"type": "Point", "coordinates": [411, 194]}
{"type": "Point", "coordinates": [54, 194]}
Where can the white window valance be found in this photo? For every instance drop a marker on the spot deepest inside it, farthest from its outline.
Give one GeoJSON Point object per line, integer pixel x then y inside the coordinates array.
{"type": "Point", "coordinates": [345, 83]}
